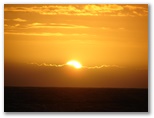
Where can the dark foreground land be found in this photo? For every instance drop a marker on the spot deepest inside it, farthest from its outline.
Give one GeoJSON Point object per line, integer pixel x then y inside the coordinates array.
{"type": "Point", "coordinates": [35, 99]}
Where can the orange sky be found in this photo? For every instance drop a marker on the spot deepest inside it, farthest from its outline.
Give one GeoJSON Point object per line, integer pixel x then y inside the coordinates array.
{"type": "Point", "coordinates": [94, 35]}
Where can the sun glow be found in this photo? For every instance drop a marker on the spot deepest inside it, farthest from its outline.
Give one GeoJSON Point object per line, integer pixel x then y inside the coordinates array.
{"type": "Point", "coordinates": [75, 64]}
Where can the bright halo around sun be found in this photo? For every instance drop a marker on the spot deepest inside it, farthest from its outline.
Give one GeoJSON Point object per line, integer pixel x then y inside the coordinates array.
{"type": "Point", "coordinates": [75, 64]}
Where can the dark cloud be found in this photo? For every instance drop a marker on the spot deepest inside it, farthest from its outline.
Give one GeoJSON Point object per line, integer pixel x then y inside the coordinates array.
{"type": "Point", "coordinates": [66, 76]}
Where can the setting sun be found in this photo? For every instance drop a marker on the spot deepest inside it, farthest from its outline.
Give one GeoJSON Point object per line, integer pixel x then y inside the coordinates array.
{"type": "Point", "coordinates": [74, 64]}
{"type": "Point", "coordinates": [76, 57]}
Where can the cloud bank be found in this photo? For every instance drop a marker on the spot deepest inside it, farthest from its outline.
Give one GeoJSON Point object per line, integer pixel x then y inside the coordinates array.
{"type": "Point", "coordinates": [82, 10]}
{"type": "Point", "coordinates": [86, 67]}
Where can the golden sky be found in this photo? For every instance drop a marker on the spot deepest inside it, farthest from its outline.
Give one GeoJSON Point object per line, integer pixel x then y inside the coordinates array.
{"type": "Point", "coordinates": [92, 34]}
{"type": "Point", "coordinates": [96, 35]}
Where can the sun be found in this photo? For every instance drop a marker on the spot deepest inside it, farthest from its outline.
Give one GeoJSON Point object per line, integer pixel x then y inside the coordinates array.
{"type": "Point", "coordinates": [75, 64]}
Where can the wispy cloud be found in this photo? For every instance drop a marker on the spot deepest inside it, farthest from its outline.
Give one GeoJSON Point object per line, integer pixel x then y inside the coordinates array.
{"type": "Point", "coordinates": [8, 27]}
{"type": "Point", "coordinates": [5, 25]}
{"type": "Point", "coordinates": [19, 20]}
{"type": "Point", "coordinates": [86, 67]}
{"type": "Point", "coordinates": [6, 19]}
{"type": "Point", "coordinates": [44, 64]}
{"type": "Point", "coordinates": [133, 7]}
{"type": "Point", "coordinates": [35, 34]}
{"type": "Point", "coordinates": [55, 25]}
{"type": "Point", "coordinates": [17, 25]}
{"type": "Point", "coordinates": [38, 25]}
{"type": "Point", "coordinates": [82, 10]}
{"type": "Point", "coordinates": [46, 34]}
{"type": "Point", "coordinates": [101, 66]}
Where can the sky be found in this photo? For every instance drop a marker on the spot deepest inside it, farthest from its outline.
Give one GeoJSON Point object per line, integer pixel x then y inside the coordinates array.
{"type": "Point", "coordinates": [110, 40]}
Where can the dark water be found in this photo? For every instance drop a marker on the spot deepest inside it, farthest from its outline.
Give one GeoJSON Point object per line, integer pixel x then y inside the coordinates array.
{"type": "Point", "coordinates": [29, 99]}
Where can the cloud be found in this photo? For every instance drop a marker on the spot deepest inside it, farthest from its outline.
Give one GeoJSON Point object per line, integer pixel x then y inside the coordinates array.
{"type": "Point", "coordinates": [44, 64]}
{"type": "Point", "coordinates": [55, 25]}
{"type": "Point", "coordinates": [19, 20]}
{"type": "Point", "coordinates": [45, 34]}
{"type": "Point", "coordinates": [45, 26]}
{"type": "Point", "coordinates": [137, 10]}
{"type": "Point", "coordinates": [133, 7]}
{"type": "Point", "coordinates": [37, 24]}
{"type": "Point", "coordinates": [6, 19]}
{"type": "Point", "coordinates": [11, 27]}
{"type": "Point", "coordinates": [102, 66]}
{"type": "Point", "coordinates": [17, 25]}
{"type": "Point", "coordinates": [5, 25]}
{"type": "Point", "coordinates": [35, 34]}
{"type": "Point", "coordinates": [86, 67]}
{"type": "Point", "coordinates": [82, 10]}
